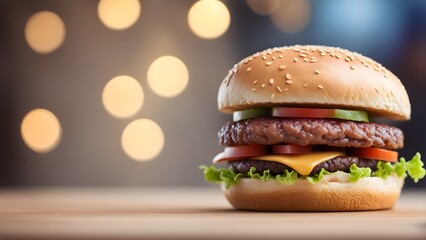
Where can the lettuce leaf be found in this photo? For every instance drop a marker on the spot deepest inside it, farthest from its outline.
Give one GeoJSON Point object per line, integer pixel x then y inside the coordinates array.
{"type": "Point", "coordinates": [287, 177]}
{"type": "Point", "coordinates": [317, 177]}
{"type": "Point", "coordinates": [357, 173]}
{"type": "Point", "coordinates": [229, 177]}
{"type": "Point", "coordinates": [264, 176]}
{"type": "Point", "coordinates": [413, 168]}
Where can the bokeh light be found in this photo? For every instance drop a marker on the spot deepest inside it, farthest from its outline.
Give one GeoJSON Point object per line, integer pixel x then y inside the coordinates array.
{"type": "Point", "coordinates": [41, 130]}
{"type": "Point", "coordinates": [363, 20]}
{"type": "Point", "coordinates": [142, 140]}
{"type": "Point", "coordinates": [44, 32]}
{"type": "Point", "coordinates": [209, 19]}
{"type": "Point", "coordinates": [168, 76]}
{"type": "Point", "coordinates": [292, 16]}
{"type": "Point", "coordinates": [122, 96]}
{"type": "Point", "coordinates": [119, 14]}
{"type": "Point", "coordinates": [263, 7]}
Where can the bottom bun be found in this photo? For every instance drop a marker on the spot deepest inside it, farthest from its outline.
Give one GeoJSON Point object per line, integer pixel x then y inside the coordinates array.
{"type": "Point", "coordinates": [334, 193]}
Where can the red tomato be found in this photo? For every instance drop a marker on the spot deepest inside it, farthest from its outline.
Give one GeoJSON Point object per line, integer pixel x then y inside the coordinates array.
{"type": "Point", "coordinates": [376, 154]}
{"type": "Point", "coordinates": [291, 149]}
{"type": "Point", "coordinates": [238, 152]}
{"type": "Point", "coordinates": [302, 112]}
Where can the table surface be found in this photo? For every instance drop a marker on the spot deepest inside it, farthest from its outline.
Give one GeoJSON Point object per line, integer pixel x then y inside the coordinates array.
{"type": "Point", "coordinates": [189, 214]}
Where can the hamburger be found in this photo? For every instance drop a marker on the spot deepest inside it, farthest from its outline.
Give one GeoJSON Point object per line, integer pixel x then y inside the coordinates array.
{"type": "Point", "coordinates": [304, 136]}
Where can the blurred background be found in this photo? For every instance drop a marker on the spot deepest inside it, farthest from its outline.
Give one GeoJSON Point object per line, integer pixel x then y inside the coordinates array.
{"type": "Point", "coordinates": [123, 92]}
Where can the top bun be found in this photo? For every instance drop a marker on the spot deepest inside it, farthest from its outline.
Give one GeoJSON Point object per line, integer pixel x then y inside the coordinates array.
{"type": "Point", "coordinates": [314, 76]}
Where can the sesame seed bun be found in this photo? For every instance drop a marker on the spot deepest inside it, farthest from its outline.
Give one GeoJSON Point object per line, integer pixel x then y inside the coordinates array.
{"type": "Point", "coordinates": [312, 76]}
{"type": "Point", "coordinates": [334, 193]}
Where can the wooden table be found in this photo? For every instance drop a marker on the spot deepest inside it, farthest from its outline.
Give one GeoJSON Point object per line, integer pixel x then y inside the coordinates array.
{"type": "Point", "coordinates": [189, 214]}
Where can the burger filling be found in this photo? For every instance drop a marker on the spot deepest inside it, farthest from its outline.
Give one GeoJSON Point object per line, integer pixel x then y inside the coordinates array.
{"type": "Point", "coordinates": [293, 143]}
{"type": "Point", "coordinates": [342, 163]}
{"type": "Point", "coordinates": [307, 131]}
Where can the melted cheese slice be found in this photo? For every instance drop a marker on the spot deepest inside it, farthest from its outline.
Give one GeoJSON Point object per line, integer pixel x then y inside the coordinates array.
{"type": "Point", "coordinates": [304, 163]}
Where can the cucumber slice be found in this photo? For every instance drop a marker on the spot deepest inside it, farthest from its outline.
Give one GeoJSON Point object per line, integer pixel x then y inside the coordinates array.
{"type": "Point", "coordinates": [251, 113]}
{"type": "Point", "coordinates": [353, 115]}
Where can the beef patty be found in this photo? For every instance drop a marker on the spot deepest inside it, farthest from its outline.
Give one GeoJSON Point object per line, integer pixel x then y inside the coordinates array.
{"type": "Point", "coordinates": [337, 133]}
{"type": "Point", "coordinates": [332, 165]}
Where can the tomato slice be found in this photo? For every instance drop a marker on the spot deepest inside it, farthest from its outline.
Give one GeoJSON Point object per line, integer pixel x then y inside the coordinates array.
{"type": "Point", "coordinates": [238, 152]}
{"type": "Point", "coordinates": [353, 115]}
{"type": "Point", "coordinates": [291, 149]}
{"type": "Point", "coordinates": [302, 112]}
{"type": "Point", "coordinates": [375, 153]}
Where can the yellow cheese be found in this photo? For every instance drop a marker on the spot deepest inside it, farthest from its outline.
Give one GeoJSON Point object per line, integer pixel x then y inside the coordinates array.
{"type": "Point", "coordinates": [303, 163]}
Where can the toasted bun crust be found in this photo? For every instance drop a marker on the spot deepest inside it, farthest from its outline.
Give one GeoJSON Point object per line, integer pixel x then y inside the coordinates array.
{"type": "Point", "coordinates": [333, 193]}
{"type": "Point", "coordinates": [312, 76]}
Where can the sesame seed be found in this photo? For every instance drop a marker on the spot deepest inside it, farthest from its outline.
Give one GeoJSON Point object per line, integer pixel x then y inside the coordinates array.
{"type": "Point", "coordinates": [377, 90]}
{"type": "Point", "coordinates": [352, 67]}
{"type": "Point", "coordinates": [386, 76]}
{"type": "Point", "coordinates": [302, 55]}
{"type": "Point", "coordinates": [295, 59]}
{"type": "Point", "coordinates": [248, 69]}
{"type": "Point", "coordinates": [323, 53]}
{"type": "Point", "coordinates": [332, 54]}
{"type": "Point", "coordinates": [352, 58]}
{"type": "Point", "coordinates": [246, 61]}
{"type": "Point", "coordinates": [268, 63]}
{"type": "Point", "coordinates": [282, 67]}
{"type": "Point", "coordinates": [288, 76]}
{"type": "Point", "coordinates": [317, 72]}
{"type": "Point", "coordinates": [313, 60]}
{"type": "Point", "coordinates": [264, 57]}
{"type": "Point", "coordinates": [305, 85]}
{"type": "Point", "coordinates": [280, 56]}
{"type": "Point", "coordinates": [289, 82]}
{"type": "Point", "coordinates": [253, 89]}
{"type": "Point", "coordinates": [271, 81]}
{"type": "Point", "coordinates": [297, 50]}
{"type": "Point", "coordinates": [273, 58]}
{"type": "Point", "coordinates": [263, 85]}
{"type": "Point", "coordinates": [255, 82]}
{"type": "Point", "coordinates": [279, 89]}
{"type": "Point", "coordinates": [320, 86]}
{"type": "Point", "coordinates": [306, 60]}
{"type": "Point", "coordinates": [273, 95]}
{"type": "Point", "coordinates": [251, 58]}
{"type": "Point", "coordinates": [375, 68]}
{"type": "Point", "coordinates": [363, 88]}
{"type": "Point", "coordinates": [347, 59]}
{"type": "Point", "coordinates": [339, 56]}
